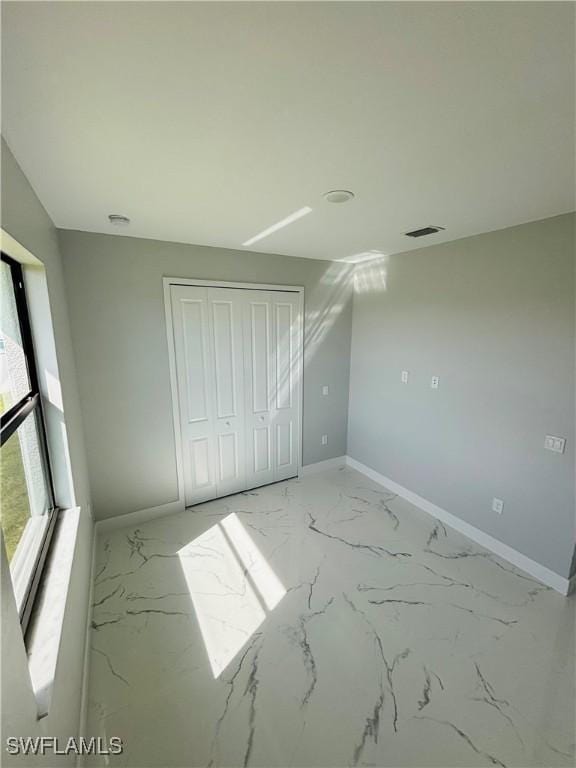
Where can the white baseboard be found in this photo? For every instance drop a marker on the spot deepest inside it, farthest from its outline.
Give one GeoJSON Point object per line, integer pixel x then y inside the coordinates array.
{"type": "Point", "coordinates": [320, 466]}
{"type": "Point", "coordinates": [80, 762]}
{"type": "Point", "coordinates": [542, 573]}
{"type": "Point", "coordinates": [531, 567]}
{"type": "Point", "coordinates": [172, 507]}
{"type": "Point", "coordinates": [141, 516]}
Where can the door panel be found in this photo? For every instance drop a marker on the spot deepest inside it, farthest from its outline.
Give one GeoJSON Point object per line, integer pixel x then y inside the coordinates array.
{"type": "Point", "coordinates": [195, 384]}
{"type": "Point", "coordinates": [228, 457]}
{"type": "Point", "coordinates": [259, 376]}
{"type": "Point", "coordinates": [284, 355]}
{"type": "Point", "coordinates": [200, 464]}
{"type": "Point", "coordinates": [262, 453]}
{"type": "Point", "coordinates": [284, 448]}
{"type": "Point", "coordinates": [272, 342]}
{"type": "Point", "coordinates": [193, 330]}
{"type": "Point", "coordinates": [222, 313]}
{"type": "Point", "coordinates": [226, 326]}
{"type": "Point", "coordinates": [287, 366]}
{"type": "Point", "coordinates": [260, 353]}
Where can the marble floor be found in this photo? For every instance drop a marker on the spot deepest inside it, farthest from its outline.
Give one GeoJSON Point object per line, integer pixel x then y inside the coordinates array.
{"type": "Point", "coordinates": [324, 622]}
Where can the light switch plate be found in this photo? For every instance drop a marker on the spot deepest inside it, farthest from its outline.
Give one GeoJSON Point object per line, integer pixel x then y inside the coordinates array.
{"type": "Point", "coordinates": [404, 377]}
{"type": "Point", "coordinates": [555, 444]}
{"type": "Point", "coordinates": [324, 439]}
{"type": "Point", "coordinates": [325, 389]}
{"type": "Point", "coordinates": [435, 382]}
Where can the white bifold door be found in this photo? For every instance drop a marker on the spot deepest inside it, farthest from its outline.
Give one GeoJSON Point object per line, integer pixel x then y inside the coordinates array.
{"type": "Point", "coordinates": [238, 368]}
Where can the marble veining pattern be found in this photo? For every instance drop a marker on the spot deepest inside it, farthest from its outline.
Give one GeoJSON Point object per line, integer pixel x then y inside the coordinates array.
{"type": "Point", "coordinates": [324, 622]}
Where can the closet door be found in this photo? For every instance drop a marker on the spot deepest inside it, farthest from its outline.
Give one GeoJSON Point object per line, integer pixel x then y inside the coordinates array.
{"type": "Point", "coordinates": [287, 347]}
{"type": "Point", "coordinates": [272, 339]}
{"type": "Point", "coordinates": [195, 381]}
{"type": "Point", "coordinates": [260, 382]}
{"type": "Point", "coordinates": [238, 369]}
{"type": "Point", "coordinates": [226, 334]}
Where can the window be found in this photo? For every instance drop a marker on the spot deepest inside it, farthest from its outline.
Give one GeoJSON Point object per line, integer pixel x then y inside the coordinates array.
{"type": "Point", "coordinates": [27, 509]}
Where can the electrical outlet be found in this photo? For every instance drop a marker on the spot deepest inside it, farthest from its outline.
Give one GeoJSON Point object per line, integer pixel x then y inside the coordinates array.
{"type": "Point", "coordinates": [497, 506]}
{"type": "Point", "coordinates": [434, 382]}
{"type": "Point", "coordinates": [325, 390]}
{"type": "Point", "coordinates": [404, 377]}
{"type": "Point", "coordinates": [555, 444]}
{"type": "Point", "coordinates": [324, 439]}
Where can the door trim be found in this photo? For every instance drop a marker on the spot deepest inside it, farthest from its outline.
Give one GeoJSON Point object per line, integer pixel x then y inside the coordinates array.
{"type": "Point", "coordinates": [228, 284]}
{"type": "Point", "coordinates": [168, 282]}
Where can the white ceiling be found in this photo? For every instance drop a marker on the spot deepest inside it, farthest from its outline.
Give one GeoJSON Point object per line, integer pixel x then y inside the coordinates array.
{"type": "Point", "coordinates": [209, 122]}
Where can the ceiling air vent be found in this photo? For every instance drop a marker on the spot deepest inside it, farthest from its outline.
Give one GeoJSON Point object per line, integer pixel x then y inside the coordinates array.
{"type": "Point", "coordinates": [424, 231]}
{"type": "Point", "coordinates": [118, 219]}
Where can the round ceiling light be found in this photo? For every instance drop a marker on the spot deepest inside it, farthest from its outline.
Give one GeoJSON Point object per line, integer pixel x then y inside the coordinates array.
{"type": "Point", "coordinates": [338, 196]}
{"type": "Point", "coordinates": [118, 220]}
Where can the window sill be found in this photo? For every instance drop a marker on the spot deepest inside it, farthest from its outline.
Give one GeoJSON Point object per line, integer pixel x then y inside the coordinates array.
{"type": "Point", "coordinates": [45, 627]}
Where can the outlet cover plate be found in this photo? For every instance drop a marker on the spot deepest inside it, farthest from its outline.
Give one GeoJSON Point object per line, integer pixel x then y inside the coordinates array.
{"type": "Point", "coordinates": [497, 506]}
{"type": "Point", "coordinates": [555, 444]}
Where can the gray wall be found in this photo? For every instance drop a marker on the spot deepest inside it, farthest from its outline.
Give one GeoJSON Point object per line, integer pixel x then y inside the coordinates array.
{"type": "Point", "coordinates": [493, 317]}
{"type": "Point", "coordinates": [26, 220]}
{"type": "Point", "coordinates": [115, 295]}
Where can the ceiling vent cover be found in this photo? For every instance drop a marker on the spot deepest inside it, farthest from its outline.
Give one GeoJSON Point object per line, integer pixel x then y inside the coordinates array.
{"type": "Point", "coordinates": [424, 231]}
{"type": "Point", "coordinates": [118, 219]}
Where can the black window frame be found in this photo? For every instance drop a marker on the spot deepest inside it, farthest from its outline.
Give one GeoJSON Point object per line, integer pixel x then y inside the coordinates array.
{"type": "Point", "coordinates": [30, 406]}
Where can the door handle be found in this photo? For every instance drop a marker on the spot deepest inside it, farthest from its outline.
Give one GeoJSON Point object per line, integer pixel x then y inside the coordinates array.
{"type": "Point", "coordinates": [227, 423]}
{"type": "Point", "coordinates": [261, 418]}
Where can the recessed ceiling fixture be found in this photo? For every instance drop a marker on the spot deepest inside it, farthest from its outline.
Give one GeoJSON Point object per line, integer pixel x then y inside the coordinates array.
{"type": "Point", "coordinates": [118, 220]}
{"type": "Point", "coordinates": [424, 231]}
{"type": "Point", "coordinates": [338, 196]}
{"type": "Point", "coordinates": [279, 225]}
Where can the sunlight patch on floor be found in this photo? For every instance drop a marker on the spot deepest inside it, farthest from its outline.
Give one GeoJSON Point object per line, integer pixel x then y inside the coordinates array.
{"type": "Point", "coordinates": [232, 587]}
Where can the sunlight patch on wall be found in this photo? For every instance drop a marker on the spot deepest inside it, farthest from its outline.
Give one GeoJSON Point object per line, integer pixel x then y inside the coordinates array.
{"type": "Point", "coordinates": [330, 296]}
{"type": "Point", "coordinates": [371, 277]}
{"type": "Point", "coordinates": [359, 258]}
